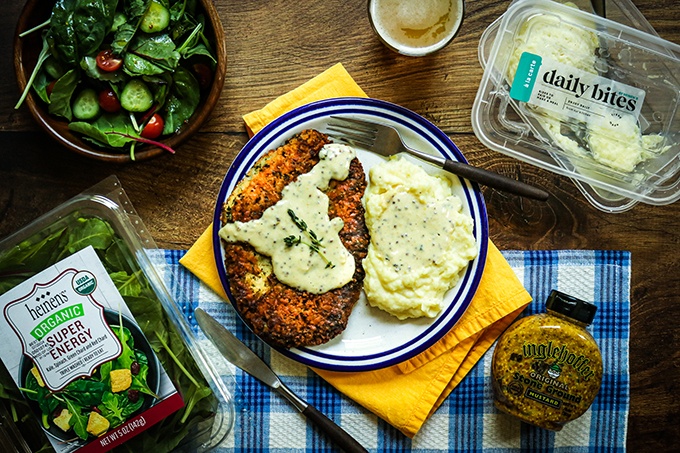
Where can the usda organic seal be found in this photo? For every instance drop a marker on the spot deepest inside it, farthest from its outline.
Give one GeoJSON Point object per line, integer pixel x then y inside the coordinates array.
{"type": "Point", "coordinates": [84, 283]}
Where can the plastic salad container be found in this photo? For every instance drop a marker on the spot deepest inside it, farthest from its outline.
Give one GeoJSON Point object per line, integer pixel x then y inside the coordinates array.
{"type": "Point", "coordinates": [585, 97]}
{"type": "Point", "coordinates": [94, 346]}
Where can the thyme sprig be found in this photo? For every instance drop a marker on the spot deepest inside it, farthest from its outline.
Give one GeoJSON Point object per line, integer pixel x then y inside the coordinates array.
{"type": "Point", "coordinates": [315, 245]}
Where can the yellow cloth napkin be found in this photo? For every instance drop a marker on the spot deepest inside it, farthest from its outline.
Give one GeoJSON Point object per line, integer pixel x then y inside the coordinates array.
{"type": "Point", "coordinates": [404, 395]}
{"type": "Point", "coordinates": [334, 82]}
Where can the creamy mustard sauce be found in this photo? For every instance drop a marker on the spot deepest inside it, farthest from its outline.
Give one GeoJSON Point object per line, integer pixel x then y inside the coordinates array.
{"type": "Point", "coordinates": [297, 234]}
{"type": "Point", "coordinates": [420, 239]}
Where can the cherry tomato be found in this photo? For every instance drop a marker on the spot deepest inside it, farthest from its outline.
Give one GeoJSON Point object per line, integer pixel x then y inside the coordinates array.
{"type": "Point", "coordinates": [204, 75]}
{"type": "Point", "coordinates": [149, 113]}
{"type": "Point", "coordinates": [50, 87]}
{"type": "Point", "coordinates": [107, 61]}
{"type": "Point", "coordinates": [154, 128]}
{"type": "Point", "coordinates": [108, 101]}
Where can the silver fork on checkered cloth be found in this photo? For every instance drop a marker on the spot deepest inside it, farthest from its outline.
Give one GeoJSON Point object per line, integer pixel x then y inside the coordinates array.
{"type": "Point", "coordinates": [386, 141]}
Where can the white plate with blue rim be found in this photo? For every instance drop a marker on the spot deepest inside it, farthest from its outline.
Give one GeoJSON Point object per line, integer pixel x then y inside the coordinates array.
{"type": "Point", "coordinates": [373, 338]}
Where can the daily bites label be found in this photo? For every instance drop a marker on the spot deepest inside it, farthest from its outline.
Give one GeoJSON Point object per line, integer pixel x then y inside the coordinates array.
{"type": "Point", "coordinates": [573, 93]}
{"type": "Point", "coordinates": [56, 322]}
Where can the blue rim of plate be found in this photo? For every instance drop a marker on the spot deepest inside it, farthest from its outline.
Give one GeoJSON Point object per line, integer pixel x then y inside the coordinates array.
{"type": "Point", "coordinates": [286, 125]}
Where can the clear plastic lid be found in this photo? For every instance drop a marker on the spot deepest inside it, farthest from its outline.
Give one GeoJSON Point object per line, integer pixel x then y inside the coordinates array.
{"type": "Point", "coordinates": [585, 97]}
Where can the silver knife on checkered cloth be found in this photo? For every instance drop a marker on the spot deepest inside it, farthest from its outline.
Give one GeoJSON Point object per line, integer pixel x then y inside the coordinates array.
{"type": "Point", "coordinates": [240, 355]}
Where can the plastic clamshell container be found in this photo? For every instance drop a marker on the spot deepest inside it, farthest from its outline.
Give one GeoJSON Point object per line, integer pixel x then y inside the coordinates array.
{"type": "Point", "coordinates": [570, 112]}
{"type": "Point", "coordinates": [108, 202]}
{"type": "Point", "coordinates": [623, 12]}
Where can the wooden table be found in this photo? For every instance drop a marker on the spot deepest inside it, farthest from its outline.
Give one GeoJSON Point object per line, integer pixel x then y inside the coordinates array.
{"type": "Point", "coordinates": [274, 46]}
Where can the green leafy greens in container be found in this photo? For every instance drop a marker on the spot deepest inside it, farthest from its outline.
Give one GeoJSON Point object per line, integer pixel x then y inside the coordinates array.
{"type": "Point", "coordinates": [66, 236]}
{"type": "Point", "coordinates": [95, 393]}
{"type": "Point", "coordinates": [123, 72]}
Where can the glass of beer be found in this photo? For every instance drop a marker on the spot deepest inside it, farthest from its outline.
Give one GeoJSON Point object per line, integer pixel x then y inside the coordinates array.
{"type": "Point", "coordinates": [416, 27]}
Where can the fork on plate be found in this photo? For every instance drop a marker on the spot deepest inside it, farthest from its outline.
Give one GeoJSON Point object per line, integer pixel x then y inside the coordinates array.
{"type": "Point", "coordinates": [386, 141]}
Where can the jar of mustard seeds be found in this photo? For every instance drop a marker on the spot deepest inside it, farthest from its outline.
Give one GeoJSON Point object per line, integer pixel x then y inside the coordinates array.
{"type": "Point", "coordinates": [546, 368]}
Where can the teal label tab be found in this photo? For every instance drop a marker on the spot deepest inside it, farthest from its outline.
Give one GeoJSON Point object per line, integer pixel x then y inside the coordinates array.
{"type": "Point", "coordinates": [525, 77]}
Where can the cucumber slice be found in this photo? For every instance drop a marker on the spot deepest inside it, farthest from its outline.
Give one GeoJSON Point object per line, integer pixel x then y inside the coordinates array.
{"type": "Point", "coordinates": [136, 96]}
{"type": "Point", "coordinates": [86, 105]}
{"type": "Point", "coordinates": [155, 19]}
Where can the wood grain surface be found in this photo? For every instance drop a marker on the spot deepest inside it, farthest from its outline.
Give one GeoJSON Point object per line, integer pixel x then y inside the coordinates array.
{"type": "Point", "coordinates": [274, 46]}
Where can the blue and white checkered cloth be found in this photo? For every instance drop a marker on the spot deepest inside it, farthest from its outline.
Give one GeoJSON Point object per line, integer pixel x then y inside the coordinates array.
{"type": "Point", "coordinates": [467, 420]}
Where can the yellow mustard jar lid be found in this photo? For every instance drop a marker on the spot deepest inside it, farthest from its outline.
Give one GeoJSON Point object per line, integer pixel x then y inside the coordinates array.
{"type": "Point", "coordinates": [547, 368]}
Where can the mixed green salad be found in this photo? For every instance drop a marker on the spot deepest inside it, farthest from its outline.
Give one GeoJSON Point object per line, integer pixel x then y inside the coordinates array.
{"type": "Point", "coordinates": [90, 406]}
{"type": "Point", "coordinates": [70, 234]}
{"type": "Point", "coordinates": [123, 72]}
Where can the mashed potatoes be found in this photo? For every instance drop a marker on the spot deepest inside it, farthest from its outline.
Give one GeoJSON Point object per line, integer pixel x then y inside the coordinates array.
{"type": "Point", "coordinates": [421, 239]}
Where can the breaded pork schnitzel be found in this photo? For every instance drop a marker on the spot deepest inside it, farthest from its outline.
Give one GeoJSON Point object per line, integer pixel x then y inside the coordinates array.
{"type": "Point", "coordinates": [281, 315]}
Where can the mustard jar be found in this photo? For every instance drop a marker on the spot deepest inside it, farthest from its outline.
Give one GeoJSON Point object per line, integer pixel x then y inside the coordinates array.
{"type": "Point", "coordinates": [547, 368]}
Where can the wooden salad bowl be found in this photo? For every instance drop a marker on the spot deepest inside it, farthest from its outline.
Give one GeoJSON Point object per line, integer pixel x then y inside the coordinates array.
{"type": "Point", "coordinates": [27, 50]}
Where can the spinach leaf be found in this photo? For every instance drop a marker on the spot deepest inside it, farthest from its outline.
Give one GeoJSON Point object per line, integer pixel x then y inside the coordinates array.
{"type": "Point", "coordinates": [100, 130]}
{"type": "Point", "coordinates": [134, 65]}
{"type": "Point", "coordinates": [125, 359]}
{"type": "Point", "coordinates": [116, 255]}
{"type": "Point", "coordinates": [191, 6]}
{"type": "Point", "coordinates": [89, 232]}
{"type": "Point", "coordinates": [89, 65]}
{"type": "Point", "coordinates": [127, 284]}
{"type": "Point", "coordinates": [40, 86]}
{"type": "Point", "coordinates": [92, 22]}
{"type": "Point", "coordinates": [160, 87]}
{"type": "Point", "coordinates": [122, 38]}
{"type": "Point", "coordinates": [78, 420]}
{"type": "Point", "coordinates": [196, 44]}
{"type": "Point", "coordinates": [135, 8]}
{"type": "Point", "coordinates": [129, 407]}
{"type": "Point", "coordinates": [86, 392]}
{"type": "Point", "coordinates": [34, 391]}
{"type": "Point", "coordinates": [61, 34]}
{"type": "Point", "coordinates": [182, 15]}
{"type": "Point", "coordinates": [199, 49]}
{"type": "Point", "coordinates": [46, 400]}
{"type": "Point", "coordinates": [159, 49]}
{"type": "Point", "coordinates": [184, 98]}
{"type": "Point", "coordinates": [186, 25]}
{"type": "Point", "coordinates": [105, 371]}
{"type": "Point", "coordinates": [196, 394]}
{"type": "Point", "coordinates": [60, 101]}
{"type": "Point", "coordinates": [78, 27]}
{"type": "Point", "coordinates": [8, 282]}
{"type": "Point", "coordinates": [28, 255]}
{"type": "Point", "coordinates": [125, 337]}
{"type": "Point", "coordinates": [139, 381]}
{"type": "Point", "coordinates": [177, 10]}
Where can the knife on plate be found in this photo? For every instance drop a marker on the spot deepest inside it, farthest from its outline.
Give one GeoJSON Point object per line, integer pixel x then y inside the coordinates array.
{"type": "Point", "coordinates": [240, 355]}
